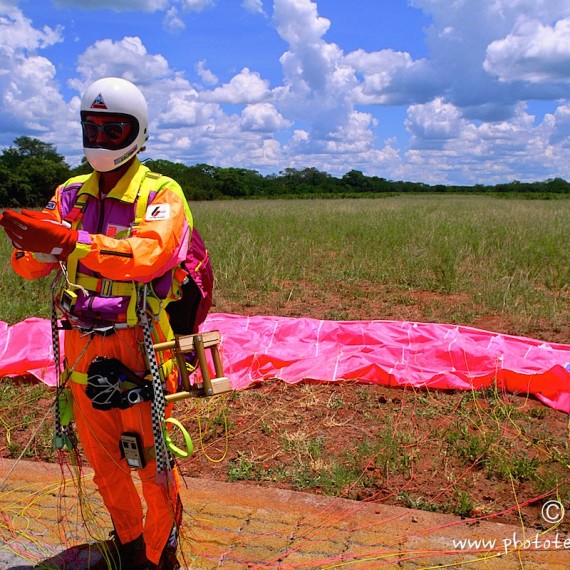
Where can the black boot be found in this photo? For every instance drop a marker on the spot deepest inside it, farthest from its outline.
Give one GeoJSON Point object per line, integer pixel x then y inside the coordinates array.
{"type": "Point", "coordinates": [118, 556]}
{"type": "Point", "coordinates": [168, 560]}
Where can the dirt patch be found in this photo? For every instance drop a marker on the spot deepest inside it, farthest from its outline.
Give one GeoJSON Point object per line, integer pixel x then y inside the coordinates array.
{"type": "Point", "coordinates": [486, 455]}
{"type": "Point", "coordinates": [347, 300]}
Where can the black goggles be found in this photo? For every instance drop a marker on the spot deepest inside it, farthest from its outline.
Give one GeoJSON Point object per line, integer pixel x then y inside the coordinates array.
{"type": "Point", "coordinates": [113, 131]}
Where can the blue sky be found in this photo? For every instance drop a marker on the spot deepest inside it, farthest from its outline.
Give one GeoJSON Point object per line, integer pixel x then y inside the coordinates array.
{"type": "Point", "coordinates": [434, 91]}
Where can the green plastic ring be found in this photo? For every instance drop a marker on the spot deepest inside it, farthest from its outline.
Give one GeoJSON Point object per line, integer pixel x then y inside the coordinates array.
{"type": "Point", "coordinates": [183, 453]}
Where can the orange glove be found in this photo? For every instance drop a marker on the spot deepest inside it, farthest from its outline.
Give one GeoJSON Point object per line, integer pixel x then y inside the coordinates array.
{"type": "Point", "coordinates": [33, 231]}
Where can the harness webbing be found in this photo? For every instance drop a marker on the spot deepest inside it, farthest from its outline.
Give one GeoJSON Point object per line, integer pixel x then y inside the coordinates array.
{"type": "Point", "coordinates": [158, 404]}
{"type": "Point", "coordinates": [58, 438]}
{"type": "Point", "coordinates": [72, 220]}
{"type": "Point", "coordinates": [148, 185]}
{"type": "Point", "coordinates": [63, 434]}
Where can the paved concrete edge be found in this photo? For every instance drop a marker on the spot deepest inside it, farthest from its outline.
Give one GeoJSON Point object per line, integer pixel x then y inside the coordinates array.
{"type": "Point", "coordinates": [233, 526]}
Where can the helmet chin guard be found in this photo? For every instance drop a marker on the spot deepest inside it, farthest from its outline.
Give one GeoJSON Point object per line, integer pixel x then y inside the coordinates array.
{"type": "Point", "coordinates": [115, 96]}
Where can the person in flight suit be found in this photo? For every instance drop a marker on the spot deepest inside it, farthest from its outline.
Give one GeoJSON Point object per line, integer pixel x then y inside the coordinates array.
{"type": "Point", "coordinates": [89, 229]}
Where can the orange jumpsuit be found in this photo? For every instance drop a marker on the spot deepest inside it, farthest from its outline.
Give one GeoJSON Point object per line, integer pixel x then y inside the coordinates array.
{"type": "Point", "coordinates": [109, 258]}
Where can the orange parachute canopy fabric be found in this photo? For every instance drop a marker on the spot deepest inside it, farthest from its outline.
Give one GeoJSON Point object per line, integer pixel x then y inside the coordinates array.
{"type": "Point", "coordinates": [391, 353]}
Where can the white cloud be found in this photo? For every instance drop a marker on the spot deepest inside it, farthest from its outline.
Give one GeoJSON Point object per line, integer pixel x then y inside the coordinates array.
{"type": "Point", "coordinates": [263, 117]}
{"type": "Point", "coordinates": [125, 58]}
{"type": "Point", "coordinates": [28, 88]}
{"type": "Point", "coordinates": [254, 6]}
{"type": "Point", "coordinates": [461, 107]}
{"type": "Point", "coordinates": [267, 154]}
{"type": "Point", "coordinates": [382, 63]}
{"type": "Point", "coordinates": [384, 162]}
{"type": "Point", "coordinates": [207, 76]}
{"type": "Point", "coordinates": [559, 123]}
{"type": "Point", "coordinates": [17, 34]}
{"type": "Point", "coordinates": [391, 77]}
{"type": "Point", "coordinates": [197, 5]}
{"type": "Point", "coordinates": [471, 43]}
{"type": "Point", "coordinates": [318, 82]}
{"type": "Point", "coordinates": [245, 87]}
{"type": "Point", "coordinates": [141, 5]}
{"type": "Point", "coordinates": [534, 52]}
{"type": "Point", "coordinates": [463, 122]}
{"type": "Point", "coordinates": [353, 136]}
{"type": "Point", "coordinates": [434, 121]}
{"type": "Point", "coordinates": [172, 22]}
{"type": "Point", "coordinates": [178, 120]}
{"type": "Point", "coordinates": [298, 22]}
{"type": "Point", "coordinates": [187, 124]}
{"type": "Point", "coordinates": [183, 109]}
{"type": "Point", "coordinates": [321, 90]}
{"type": "Point", "coordinates": [490, 152]}
{"type": "Point", "coordinates": [24, 106]}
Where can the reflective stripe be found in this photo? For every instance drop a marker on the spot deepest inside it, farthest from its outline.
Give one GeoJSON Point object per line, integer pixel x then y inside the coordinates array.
{"type": "Point", "coordinates": [105, 287]}
{"type": "Point", "coordinates": [73, 220]}
{"type": "Point", "coordinates": [81, 377]}
{"type": "Point", "coordinates": [132, 317]}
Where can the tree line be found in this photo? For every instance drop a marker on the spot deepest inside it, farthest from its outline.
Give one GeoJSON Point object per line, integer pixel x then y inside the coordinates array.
{"type": "Point", "coordinates": [31, 169]}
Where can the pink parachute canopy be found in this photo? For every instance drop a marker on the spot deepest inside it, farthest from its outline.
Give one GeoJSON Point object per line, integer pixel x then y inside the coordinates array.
{"type": "Point", "coordinates": [391, 353]}
{"type": "Point", "coordinates": [26, 348]}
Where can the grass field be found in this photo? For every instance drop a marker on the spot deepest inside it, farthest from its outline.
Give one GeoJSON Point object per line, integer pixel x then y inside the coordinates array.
{"type": "Point", "coordinates": [509, 258]}
{"type": "Point", "coordinates": [498, 264]}
{"type": "Point", "coordinates": [505, 257]}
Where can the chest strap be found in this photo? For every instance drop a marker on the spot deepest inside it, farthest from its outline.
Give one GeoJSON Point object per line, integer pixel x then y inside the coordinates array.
{"type": "Point", "coordinates": [104, 287]}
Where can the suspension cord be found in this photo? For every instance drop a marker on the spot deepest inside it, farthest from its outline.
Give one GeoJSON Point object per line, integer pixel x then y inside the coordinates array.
{"type": "Point", "coordinates": [62, 434]}
{"type": "Point", "coordinates": [158, 404]}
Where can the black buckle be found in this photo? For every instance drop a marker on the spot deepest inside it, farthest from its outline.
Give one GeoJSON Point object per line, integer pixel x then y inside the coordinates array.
{"type": "Point", "coordinates": [107, 330]}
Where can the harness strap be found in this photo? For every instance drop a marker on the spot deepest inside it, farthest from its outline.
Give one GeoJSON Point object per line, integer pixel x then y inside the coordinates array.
{"type": "Point", "coordinates": [164, 370]}
{"type": "Point", "coordinates": [72, 220]}
{"type": "Point", "coordinates": [148, 184]}
{"type": "Point", "coordinates": [105, 287]}
{"type": "Point", "coordinates": [158, 404]}
{"type": "Point", "coordinates": [63, 433]}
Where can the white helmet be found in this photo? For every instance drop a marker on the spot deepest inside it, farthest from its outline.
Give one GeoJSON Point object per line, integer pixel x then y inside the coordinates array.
{"type": "Point", "coordinates": [115, 96]}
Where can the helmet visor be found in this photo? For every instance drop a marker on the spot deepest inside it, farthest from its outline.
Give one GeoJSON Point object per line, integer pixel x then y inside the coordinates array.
{"type": "Point", "coordinates": [112, 131]}
{"type": "Point", "coordinates": [108, 130]}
